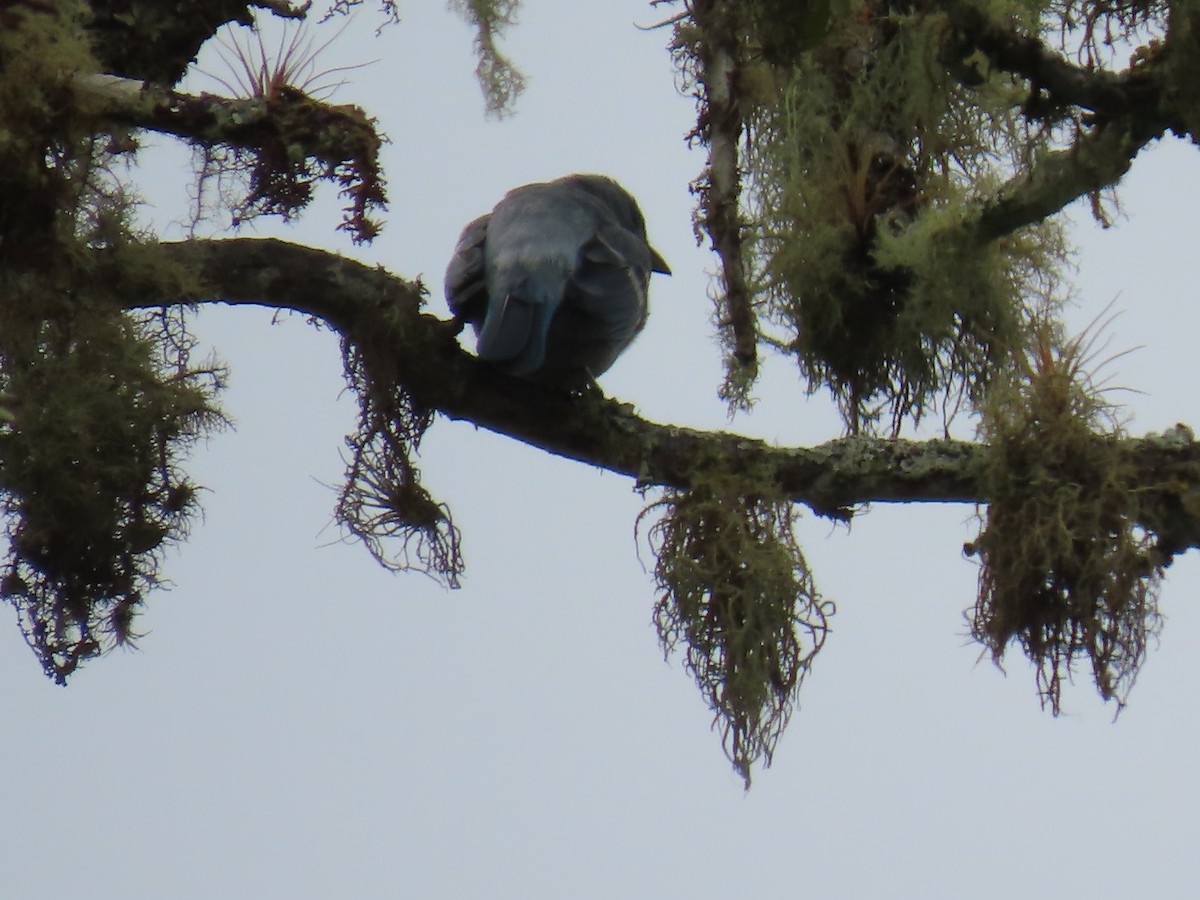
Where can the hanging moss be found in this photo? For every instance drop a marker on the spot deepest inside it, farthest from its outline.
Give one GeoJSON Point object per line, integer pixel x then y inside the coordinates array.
{"type": "Point", "coordinates": [91, 492]}
{"type": "Point", "coordinates": [383, 502]}
{"type": "Point", "coordinates": [738, 596]}
{"type": "Point", "coordinates": [501, 82]}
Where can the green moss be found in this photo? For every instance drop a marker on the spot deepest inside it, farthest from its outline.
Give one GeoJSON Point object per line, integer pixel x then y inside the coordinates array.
{"type": "Point", "coordinates": [100, 405]}
{"type": "Point", "coordinates": [90, 485]}
{"type": "Point", "coordinates": [863, 169]}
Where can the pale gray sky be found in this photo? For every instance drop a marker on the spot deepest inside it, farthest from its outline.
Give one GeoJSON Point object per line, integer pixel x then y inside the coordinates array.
{"type": "Point", "coordinates": [299, 724]}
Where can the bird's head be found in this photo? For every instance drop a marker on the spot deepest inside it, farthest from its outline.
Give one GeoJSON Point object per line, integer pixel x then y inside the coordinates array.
{"type": "Point", "coordinates": [623, 206]}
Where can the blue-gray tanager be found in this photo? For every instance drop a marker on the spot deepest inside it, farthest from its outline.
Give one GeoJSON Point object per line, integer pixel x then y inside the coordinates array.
{"type": "Point", "coordinates": [554, 279]}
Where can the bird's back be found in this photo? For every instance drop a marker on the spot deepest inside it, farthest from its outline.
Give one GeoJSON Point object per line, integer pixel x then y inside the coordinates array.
{"type": "Point", "coordinates": [564, 267]}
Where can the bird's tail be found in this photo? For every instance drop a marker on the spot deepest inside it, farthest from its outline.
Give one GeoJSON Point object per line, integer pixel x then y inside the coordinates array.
{"type": "Point", "coordinates": [518, 319]}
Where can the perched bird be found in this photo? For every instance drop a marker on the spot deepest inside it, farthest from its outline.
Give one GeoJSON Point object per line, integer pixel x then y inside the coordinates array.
{"type": "Point", "coordinates": [554, 279]}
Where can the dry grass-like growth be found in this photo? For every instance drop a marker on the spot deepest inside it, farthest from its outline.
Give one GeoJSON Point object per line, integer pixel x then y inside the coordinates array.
{"type": "Point", "coordinates": [1065, 571]}
{"type": "Point", "coordinates": [292, 64]}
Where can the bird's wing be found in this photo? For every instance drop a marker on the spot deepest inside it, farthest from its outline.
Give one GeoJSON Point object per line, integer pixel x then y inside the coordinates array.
{"type": "Point", "coordinates": [604, 303]}
{"type": "Point", "coordinates": [466, 279]}
{"type": "Point", "coordinates": [609, 284]}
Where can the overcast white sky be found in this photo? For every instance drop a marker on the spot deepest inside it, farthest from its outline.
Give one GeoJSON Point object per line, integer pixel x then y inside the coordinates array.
{"type": "Point", "coordinates": [299, 724]}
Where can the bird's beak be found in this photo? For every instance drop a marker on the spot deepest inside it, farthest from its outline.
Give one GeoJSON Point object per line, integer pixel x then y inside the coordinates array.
{"type": "Point", "coordinates": [657, 263]}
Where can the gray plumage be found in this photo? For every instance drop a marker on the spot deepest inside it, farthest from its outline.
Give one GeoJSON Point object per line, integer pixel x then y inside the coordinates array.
{"type": "Point", "coordinates": [554, 279]}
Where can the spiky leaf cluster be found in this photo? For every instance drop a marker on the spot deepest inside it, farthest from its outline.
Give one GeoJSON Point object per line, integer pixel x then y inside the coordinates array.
{"type": "Point", "coordinates": [303, 140]}
{"type": "Point", "coordinates": [1064, 570]}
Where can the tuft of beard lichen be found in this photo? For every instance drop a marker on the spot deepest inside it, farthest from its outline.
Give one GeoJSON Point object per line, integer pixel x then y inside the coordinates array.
{"type": "Point", "coordinates": [738, 598]}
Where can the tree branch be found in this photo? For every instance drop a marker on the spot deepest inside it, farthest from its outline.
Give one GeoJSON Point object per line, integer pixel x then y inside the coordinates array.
{"type": "Point", "coordinates": [1107, 93]}
{"type": "Point", "coordinates": [1129, 112]}
{"type": "Point", "coordinates": [368, 304]}
{"type": "Point", "coordinates": [720, 187]}
{"type": "Point", "coordinates": [342, 140]}
{"type": "Point", "coordinates": [158, 41]}
{"type": "Point", "coordinates": [209, 119]}
{"type": "Point", "coordinates": [1095, 161]}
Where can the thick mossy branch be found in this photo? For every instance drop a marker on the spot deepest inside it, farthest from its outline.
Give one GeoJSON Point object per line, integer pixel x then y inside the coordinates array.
{"type": "Point", "coordinates": [1126, 111]}
{"type": "Point", "coordinates": [832, 479]}
{"type": "Point", "coordinates": [1066, 85]}
{"type": "Point", "coordinates": [737, 594]}
{"type": "Point", "coordinates": [1175, 61]}
{"type": "Point", "coordinates": [44, 140]}
{"type": "Point", "coordinates": [1095, 161]}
